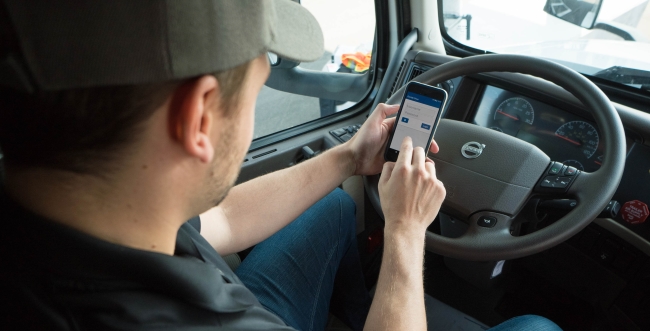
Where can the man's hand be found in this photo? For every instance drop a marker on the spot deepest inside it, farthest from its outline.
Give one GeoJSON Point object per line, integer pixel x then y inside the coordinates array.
{"type": "Point", "coordinates": [411, 196]}
{"type": "Point", "coordinates": [368, 145]}
{"type": "Point", "coordinates": [410, 193]}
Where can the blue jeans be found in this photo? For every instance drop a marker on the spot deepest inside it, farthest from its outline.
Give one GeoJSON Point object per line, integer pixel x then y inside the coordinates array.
{"type": "Point", "coordinates": [311, 267]}
{"type": "Point", "coordinates": [310, 263]}
{"type": "Point", "coordinates": [527, 323]}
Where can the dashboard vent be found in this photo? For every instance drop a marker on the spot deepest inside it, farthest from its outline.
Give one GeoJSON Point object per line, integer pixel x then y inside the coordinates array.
{"type": "Point", "coordinates": [265, 153]}
{"type": "Point", "coordinates": [416, 71]}
{"type": "Point", "coordinates": [399, 72]}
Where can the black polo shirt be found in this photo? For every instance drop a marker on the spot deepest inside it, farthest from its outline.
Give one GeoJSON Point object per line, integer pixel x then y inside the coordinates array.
{"type": "Point", "coordinates": [57, 278]}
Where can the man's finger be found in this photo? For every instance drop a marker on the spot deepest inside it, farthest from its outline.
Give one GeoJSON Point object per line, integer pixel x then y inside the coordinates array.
{"type": "Point", "coordinates": [386, 172]}
{"type": "Point", "coordinates": [406, 152]}
{"type": "Point", "coordinates": [390, 110]}
{"type": "Point", "coordinates": [434, 148]}
{"type": "Point", "coordinates": [390, 121]}
{"type": "Point", "coordinates": [418, 157]}
{"type": "Point", "coordinates": [382, 111]}
{"type": "Point", "coordinates": [431, 168]}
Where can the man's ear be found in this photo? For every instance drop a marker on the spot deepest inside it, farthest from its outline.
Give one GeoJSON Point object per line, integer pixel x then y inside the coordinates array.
{"type": "Point", "coordinates": [192, 116]}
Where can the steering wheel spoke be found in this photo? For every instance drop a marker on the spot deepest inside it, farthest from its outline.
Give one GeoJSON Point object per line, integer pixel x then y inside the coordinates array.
{"type": "Point", "coordinates": [558, 181]}
{"type": "Point", "coordinates": [489, 224]}
{"type": "Point", "coordinates": [485, 231]}
{"type": "Point", "coordinates": [581, 185]}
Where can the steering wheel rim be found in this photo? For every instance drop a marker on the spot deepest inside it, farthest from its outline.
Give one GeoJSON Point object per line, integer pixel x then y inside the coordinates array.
{"type": "Point", "coordinates": [592, 190]}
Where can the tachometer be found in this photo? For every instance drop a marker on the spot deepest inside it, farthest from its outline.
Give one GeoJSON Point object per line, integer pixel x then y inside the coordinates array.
{"type": "Point", "coordinates": [515, 109]}
{"type": "Point", "coordinates": [599, 160]}
{"type": "Point", "coordinates": [581, 135]}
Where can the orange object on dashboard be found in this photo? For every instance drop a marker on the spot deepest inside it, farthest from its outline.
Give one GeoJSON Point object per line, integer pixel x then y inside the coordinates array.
{"type": "Point", "coordinates": [358, 61]}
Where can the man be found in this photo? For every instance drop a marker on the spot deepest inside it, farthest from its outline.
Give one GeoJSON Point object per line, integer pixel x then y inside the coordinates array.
{"type": "Point", "coordinates": [121, 120]}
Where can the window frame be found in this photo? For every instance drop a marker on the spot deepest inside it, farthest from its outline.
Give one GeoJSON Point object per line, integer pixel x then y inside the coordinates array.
{"type": "Point", "coordinates": [377, 68]}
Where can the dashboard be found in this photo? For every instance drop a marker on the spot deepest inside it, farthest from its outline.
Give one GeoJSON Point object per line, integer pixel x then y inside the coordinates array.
{"type": "Point", "coordinates": [550, 118]}
{"type": "Point", "coordinates": [612, 249]}
{"type": "Point", "coordinates": [565, 137]}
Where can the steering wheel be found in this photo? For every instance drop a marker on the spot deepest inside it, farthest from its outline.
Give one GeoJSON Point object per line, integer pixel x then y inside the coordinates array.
{"type": "Point", "coordinates": [489, 176]}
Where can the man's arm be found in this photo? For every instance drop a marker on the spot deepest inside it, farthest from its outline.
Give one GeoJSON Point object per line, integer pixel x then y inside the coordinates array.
{"type": "Point", "coordinates": [255, 210]}
{"type": "Point", "coordinates": [411, 197]}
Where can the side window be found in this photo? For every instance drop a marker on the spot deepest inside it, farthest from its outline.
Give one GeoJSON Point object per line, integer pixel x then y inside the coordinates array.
{"type": "Point", "coordinates": [349, 29]}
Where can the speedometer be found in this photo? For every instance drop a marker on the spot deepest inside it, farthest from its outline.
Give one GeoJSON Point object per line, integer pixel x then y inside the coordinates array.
{"type": "Point", "coordinates": [515, 109]}
{"type": "Point", "coordinates": [581, 135]}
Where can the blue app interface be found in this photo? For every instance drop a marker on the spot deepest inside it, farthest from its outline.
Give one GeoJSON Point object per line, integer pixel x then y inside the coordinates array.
{"type": "Point", "coordinates": [418, 115]}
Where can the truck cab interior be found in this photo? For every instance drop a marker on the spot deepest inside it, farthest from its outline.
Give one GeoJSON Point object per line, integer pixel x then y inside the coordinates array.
{"type": "Point", "coordinates": [546, 213]}
{"type": "Point", "coordinates": [549, 218]}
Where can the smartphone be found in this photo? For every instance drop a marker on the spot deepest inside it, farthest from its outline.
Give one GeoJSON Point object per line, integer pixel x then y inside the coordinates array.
{"type": "Point", "coordinates": [418, 117]}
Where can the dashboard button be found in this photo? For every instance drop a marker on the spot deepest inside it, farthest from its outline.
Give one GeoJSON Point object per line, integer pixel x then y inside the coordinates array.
{"type": "Point", "coordinates": [549, 181]}
{"type": "Point", "coordinates": [563, 182]}
{"type": "Point", "coordinates": [338, 132]}
{"type": "Point", "coordinates": [487, 221]}
{"type": "Point", "coordinates": [635, 212]}
{"type": "Point", "coordinates": [570, 171]}
{"type": "Point", "coordinates": [346, 137]}
{"type": "Point", "coordinates": [555, 168]}
{"type": "Point", "coordinates": [556, 182]}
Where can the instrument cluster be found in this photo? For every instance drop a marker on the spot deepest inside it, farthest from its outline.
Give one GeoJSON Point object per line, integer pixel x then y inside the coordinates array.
{"type": "Point", "coordinates": [563, 136]}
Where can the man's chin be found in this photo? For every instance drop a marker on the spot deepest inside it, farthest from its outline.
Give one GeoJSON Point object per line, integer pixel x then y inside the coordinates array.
{"type": "Point", "coordinates": [220, 185]}
{"type": "Point", "coordinates": [224, 189]}
{"type": "Point", "coordinates": [220, 198]}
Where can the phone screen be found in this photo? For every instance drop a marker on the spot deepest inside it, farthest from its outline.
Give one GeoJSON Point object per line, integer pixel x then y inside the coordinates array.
{"type": "Point", "coordinates": [416, 120]}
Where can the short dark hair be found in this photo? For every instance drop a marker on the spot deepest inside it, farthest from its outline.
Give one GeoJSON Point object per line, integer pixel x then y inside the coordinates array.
{"type": "Point", "coordinates": [83, 130]}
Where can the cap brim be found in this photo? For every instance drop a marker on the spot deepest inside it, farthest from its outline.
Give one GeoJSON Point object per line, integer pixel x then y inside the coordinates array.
{"type": "Point", "coordinates": [298, 36]}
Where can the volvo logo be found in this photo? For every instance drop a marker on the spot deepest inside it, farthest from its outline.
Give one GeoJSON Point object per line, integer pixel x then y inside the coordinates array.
{"type": "Point", "coordinates": [472, 150]}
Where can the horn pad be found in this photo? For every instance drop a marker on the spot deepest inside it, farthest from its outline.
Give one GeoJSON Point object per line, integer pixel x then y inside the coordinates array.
{"type": "Point", "coordinates": [483, 169]}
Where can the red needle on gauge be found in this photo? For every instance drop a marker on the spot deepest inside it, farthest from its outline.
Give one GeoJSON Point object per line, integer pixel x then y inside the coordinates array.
{"type": "Point", "coordinates": [569, 140]}
{"type": "Point", "coordinates": [507, 115]}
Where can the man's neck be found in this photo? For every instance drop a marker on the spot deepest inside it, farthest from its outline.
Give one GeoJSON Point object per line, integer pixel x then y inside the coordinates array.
{"type": "Point", "coordinates": [127, 211]}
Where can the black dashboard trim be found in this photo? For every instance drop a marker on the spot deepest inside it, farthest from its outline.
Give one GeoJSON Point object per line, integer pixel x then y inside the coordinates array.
{"type": "Point", "coordinates": [549, 93]}
{"type": "Point", "coordinates": [474, 88]}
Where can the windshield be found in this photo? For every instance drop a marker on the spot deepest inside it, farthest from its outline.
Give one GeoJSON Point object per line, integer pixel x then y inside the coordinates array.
{"type": "Point", "coordinates": [608, 39]}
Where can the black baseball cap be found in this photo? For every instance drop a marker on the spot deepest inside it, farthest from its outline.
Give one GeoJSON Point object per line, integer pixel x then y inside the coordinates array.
{"type": "Point", "coordinates": [64, 44]}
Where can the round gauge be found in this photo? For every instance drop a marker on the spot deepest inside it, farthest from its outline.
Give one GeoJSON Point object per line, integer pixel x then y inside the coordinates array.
{"type": "Point", "coordinates": [496, 128]}
{"type": "Point", "coordinates": [515, 109]}
{"type": "Point", "coordinates": [581, 135]}
{"type": "Point", "coordinates": [599, 160]}
{"type": "Point", "coordinates": [575, 164]}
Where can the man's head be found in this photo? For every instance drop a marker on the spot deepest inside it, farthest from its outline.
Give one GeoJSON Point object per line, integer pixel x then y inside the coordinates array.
{"type": "Point", "coordinates": [98, 88]}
